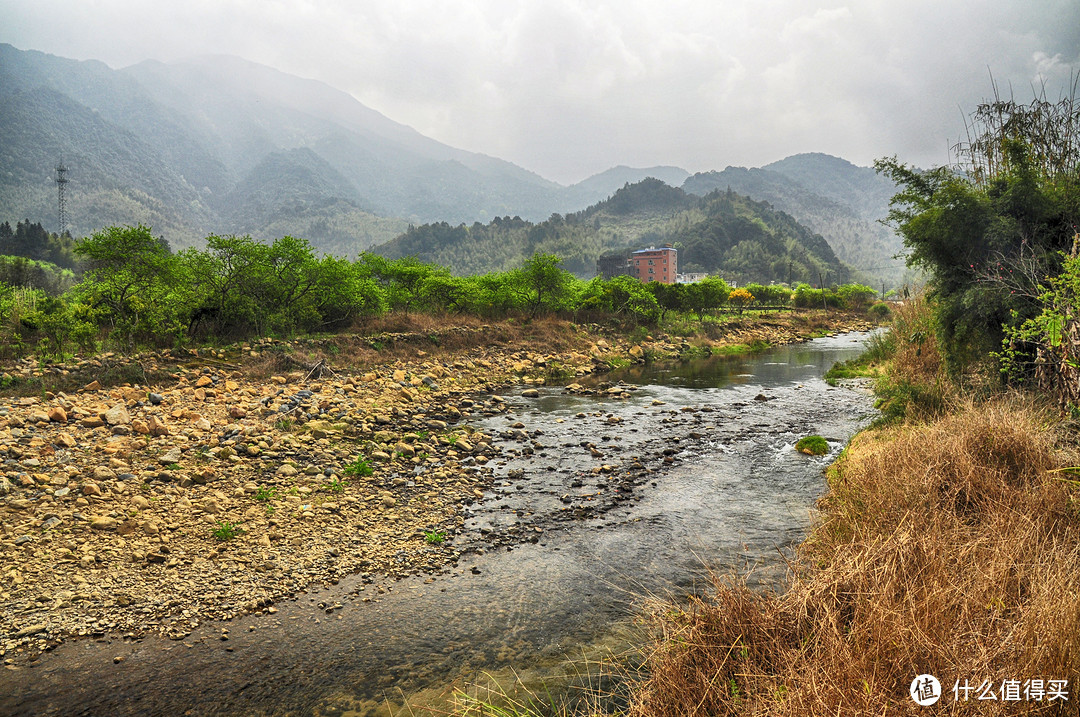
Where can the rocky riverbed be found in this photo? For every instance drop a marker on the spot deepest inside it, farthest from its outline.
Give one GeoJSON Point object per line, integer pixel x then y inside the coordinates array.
{"type": "Point", "coordinates": [215, 490]}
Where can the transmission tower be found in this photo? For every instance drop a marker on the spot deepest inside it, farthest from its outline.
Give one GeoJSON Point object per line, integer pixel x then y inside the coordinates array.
{"type": "Point", "coordinates": [61, 180]}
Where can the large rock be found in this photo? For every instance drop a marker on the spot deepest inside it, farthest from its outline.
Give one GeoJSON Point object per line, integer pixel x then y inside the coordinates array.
{"type": "Point", "coordinates": [103, 522]}
{"type": "Point", "coordinates": [156, 426]}
{"type": "Point", "coordinates": [117, 415]}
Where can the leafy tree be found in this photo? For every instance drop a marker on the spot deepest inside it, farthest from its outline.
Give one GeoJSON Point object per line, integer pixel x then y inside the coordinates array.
{"type": "Point", "coordinates": [706, 295]}
{"type": "Point", "coordinates": [129, 276]}
{"type": "Point", "coordinates": [740, 298]}
{"type": "Point", "coordinates": [542, 284]}
{"type": "Point", "coordinates": [670, 297]}
{"type": "Point", "coordinates": [990, 230]}
{"type": "Point", "coordinates": [856, 296]}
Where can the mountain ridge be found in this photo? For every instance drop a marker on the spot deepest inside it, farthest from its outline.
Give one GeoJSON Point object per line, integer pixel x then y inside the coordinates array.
{"type": "Point", "coordinates": [219, 144]}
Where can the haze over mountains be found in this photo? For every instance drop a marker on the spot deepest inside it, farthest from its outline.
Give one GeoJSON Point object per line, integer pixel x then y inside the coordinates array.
{"type": "Point", "coordinates": [221, 145]}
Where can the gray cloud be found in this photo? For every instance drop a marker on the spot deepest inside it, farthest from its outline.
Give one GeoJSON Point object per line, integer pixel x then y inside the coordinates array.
{"type": "Point", "coordinates": [570, 87]}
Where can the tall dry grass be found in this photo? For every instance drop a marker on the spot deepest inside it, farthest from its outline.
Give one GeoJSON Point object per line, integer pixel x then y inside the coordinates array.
{"type": "Point", "coordinates": [951, 548]}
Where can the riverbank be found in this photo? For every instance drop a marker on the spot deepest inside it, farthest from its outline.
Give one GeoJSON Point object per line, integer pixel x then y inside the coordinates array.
{"type": "Point", "coordinates": [226, 480]}
{"type": "Point", "coordinates": [948, 545]}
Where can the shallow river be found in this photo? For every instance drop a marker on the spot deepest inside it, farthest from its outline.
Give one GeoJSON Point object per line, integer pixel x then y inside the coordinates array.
{"type": "Point", "coordinates": [700, 473]}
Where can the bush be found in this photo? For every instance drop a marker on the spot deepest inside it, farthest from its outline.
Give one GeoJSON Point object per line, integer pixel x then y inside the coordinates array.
{"type": "Point", "coordinates": [879, 311]}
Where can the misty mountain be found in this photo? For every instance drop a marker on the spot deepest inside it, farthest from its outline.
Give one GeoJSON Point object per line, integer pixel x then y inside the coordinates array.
{"type": "Point", "coordinates": [723, 232]}
{"type": "Point", "coordinates": [221, 145]}
{"type": "Point", "coordinates": [831, 196]}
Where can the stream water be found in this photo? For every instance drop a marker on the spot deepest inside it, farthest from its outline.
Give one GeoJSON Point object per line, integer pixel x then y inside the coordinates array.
{"type": "Point", "coordinates": [600, 503]}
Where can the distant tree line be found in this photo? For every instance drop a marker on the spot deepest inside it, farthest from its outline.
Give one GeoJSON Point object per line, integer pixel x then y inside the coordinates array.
{"type": "Point", "coordinates": [721, 233]}
{"type": "Point", "coordinates": [135, 291]}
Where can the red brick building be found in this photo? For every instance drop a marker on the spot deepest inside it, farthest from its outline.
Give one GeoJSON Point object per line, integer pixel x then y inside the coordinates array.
{"type": "Point", "coordinates": [654, 264]}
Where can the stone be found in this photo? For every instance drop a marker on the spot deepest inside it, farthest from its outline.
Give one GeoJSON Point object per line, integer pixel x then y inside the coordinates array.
{"type": "Point", "coordinates": [237, 412]}
{"type": "Point", "coordinates": [65, 440]}
{"type": "Point", "coordinates": [92, 422]}
{"type": "Point", "coordinates": [103, 522]}
{"type": "Point", "coordinates": [104, 473]}
{"type": "Point", "coordinates": [91, 489]}
{"type": "Point", "coordinates": [530, 393]}
{"type": "Point", "coordinates": [157, 426]}
{"type": "Point", "coordinates": [169, 457]}
{"type": "Point", "coordinates": [92, 386]}
{"type": "Point", "coordinates": [203, 382]}
{"type": "Point", "coordinates": [117, 415]}
{"type": "Point", "coordinates": [286, 470]}
{"type": "Point", "coordinates": [57, 415]}
{"type": "Point", "coordinates": [140, 426]}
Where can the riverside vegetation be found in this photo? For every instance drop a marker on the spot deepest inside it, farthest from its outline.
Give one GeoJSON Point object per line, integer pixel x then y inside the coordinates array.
{"type": "Point", "coordinates": [949, 540]}
{"type": "Point", "coordinates": [152, 491]}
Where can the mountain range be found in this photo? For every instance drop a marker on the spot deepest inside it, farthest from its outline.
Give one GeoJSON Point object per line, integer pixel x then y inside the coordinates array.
{"type": "Point", "coordinates": [221, 145]}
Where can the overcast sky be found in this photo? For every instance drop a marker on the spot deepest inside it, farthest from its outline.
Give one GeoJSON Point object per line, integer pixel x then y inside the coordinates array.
{"type": "Point", "coordinates": [568, 88]}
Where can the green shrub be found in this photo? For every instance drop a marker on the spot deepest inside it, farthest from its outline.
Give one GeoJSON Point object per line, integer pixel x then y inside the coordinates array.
{"type": "Point", "coordinates": [880, 311]}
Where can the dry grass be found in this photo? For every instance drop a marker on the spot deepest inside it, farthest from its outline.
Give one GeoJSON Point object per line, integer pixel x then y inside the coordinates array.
{"type": "Point", "coordinates": [401, 337]}
{"type": "Point", "coordinates": [951, 548]}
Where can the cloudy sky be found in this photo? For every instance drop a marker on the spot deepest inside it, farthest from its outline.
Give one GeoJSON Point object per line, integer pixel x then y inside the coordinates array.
{"type": "Point", "coordinates": [568, 88]}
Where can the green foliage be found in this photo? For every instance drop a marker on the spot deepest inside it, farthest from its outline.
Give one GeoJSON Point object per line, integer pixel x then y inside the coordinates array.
{"type": "Point", "coordinates": [1045, 349]}
{"type": "Point", "coordinates": [264, 494]}
{"type": "Point", "coordinates": [128, 280]}
{"type": "Point", "coordinates": [812, 445]}
{"type": "Point", "coordinates": [224, 530]}
{"type": "Point", "coordinates": [359, 468]}
{"type": "Point", "coordinates": [544, 286]}
{"type": "Point", "coordinates": [135, 292]}
{"type": "Point", "coordinates": [622, 296]}
{"type": "Point", "coordinates": [336, 486]}
{"type": "Point", "coordinates": [990, 232]}
{"type": "Point", "coordinates": [434, 537]}
{"type": "Point", "coordinates": [880, 311]}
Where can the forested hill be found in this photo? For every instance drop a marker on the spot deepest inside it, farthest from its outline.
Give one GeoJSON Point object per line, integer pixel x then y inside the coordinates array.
{"type": "Point", "coordinates": [723, 233]}
{"type": "Point", "coordinates": [831, 196]}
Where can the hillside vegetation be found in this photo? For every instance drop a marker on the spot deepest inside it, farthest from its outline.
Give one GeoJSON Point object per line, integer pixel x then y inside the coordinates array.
{"type": "Point", "coordinates": [844, 203]}
{"type": "Point", "coordinates": [722, 233]}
